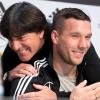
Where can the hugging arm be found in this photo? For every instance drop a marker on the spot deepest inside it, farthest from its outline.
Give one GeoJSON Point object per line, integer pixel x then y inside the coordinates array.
{"type": "Point", "coordinates": [91, 66]}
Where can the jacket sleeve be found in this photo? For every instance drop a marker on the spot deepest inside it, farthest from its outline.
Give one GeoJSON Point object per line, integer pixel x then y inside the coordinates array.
{"type": "Point", "coordinates": [9, 61]}
{"type": "Point", "coordinates": [91, 63]}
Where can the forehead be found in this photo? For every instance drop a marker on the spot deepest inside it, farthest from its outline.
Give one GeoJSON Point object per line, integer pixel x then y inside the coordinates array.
{"type": "Point", "coordinates": [78, 25]}
{"type": "Point", "coordinates": [26, 35]}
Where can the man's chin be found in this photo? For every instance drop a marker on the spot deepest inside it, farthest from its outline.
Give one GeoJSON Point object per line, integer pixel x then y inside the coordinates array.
{"type": "Point", "coordinates": [24, 59]}
{"type": "Point", "coordinates": [79, 62]}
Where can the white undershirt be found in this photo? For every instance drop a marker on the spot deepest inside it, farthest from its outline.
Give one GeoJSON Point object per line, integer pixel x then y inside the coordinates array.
{"type": "Point", "coordinates": [66, 83]}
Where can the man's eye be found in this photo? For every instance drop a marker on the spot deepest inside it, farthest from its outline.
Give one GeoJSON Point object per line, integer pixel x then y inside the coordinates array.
{"type": "Point", "coordinates": [75, 36]}
{"type": "Point", "coordinates": [21, 38]}
{"type": "Point", "coordinates": [88, 37]}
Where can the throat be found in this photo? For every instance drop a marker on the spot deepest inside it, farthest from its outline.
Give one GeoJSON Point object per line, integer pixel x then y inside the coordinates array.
{"type": "Point", "coordinates": [70, 71]}
{"type": "Point", "coordinates": [67, 80]}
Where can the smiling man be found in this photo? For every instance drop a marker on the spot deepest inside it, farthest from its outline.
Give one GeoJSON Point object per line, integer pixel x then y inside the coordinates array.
{"type": "Point", "coordinates": [71, 34]}
{"type": "Point", "coordinates": [25, 26]}
{"type": "Point", "coordinates": [71, 40]}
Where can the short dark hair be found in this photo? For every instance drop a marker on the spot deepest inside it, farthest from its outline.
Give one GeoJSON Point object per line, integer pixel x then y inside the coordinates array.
{"type": "Point", "coordinates": [22, 18]}
{"type": "Point", "coordinates": [66, 13]}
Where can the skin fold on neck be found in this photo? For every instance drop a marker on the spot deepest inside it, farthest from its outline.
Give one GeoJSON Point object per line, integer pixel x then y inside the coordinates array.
{"type": "Point", "coordinates": [63, 68]}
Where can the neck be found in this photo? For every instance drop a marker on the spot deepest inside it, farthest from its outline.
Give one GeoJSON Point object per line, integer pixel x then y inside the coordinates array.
{"type": "Point", "coordinates": [63, 68]}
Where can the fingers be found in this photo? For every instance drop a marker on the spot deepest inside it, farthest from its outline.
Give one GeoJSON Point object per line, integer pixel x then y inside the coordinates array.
{"type": "Point", "coordinates": [82, 84]}
{"type": "Point", "coordinates": [29, 68]}
{"type": "Point", "coordinates": [17, 76]}
{"type": "Point", "coordinates": [97, 93]}
{"type": "Point", "coordinates": [89, 87]}
{"type": "Point", "coordinates": [30, 96]}
{"type": "Point", "coordinates": [26, 96]}
{"type": "Point", "coordinates": [39, 87]}
{"type": "Point", "coordinates": [22, 70]}
{"type": "Point", "coordinates": [93, 86]}
{"type": "Point", "coordinates": [94, 89]}
{"type": "Point", "coordinates": [83, 92]}
{"type": "Point", "coordinates": [44, 94]}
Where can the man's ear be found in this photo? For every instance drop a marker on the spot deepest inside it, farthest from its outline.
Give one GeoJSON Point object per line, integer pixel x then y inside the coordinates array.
{"type": "Point", "coordinates": [42, 35]}
{"type": "Point", "coordinates": [54, 36]}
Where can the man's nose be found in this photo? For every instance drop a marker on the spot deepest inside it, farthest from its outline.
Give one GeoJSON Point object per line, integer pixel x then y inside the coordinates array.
{"type": "Point", "coordinates": [15, 45]}
{"type": "Point", "coordinates": [82, 43]}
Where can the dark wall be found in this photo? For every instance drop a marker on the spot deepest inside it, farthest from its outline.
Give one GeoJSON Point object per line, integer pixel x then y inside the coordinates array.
{"type": "Point", "coordinates": [87, 2]}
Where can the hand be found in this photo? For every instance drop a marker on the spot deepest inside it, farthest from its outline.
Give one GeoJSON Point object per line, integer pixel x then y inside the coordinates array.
{"type": "Point", "coordinates": [21, 70]}
{"type": "Point", "coordinates": [83, 92]}
{"type": "Point", "coordinates": [44, 94]}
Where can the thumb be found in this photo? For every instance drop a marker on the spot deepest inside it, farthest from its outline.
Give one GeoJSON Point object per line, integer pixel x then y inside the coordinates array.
{"type": "Point", "coordinates": [37, 86]}
{"type": "Point", "coordinates": [82, 84]}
